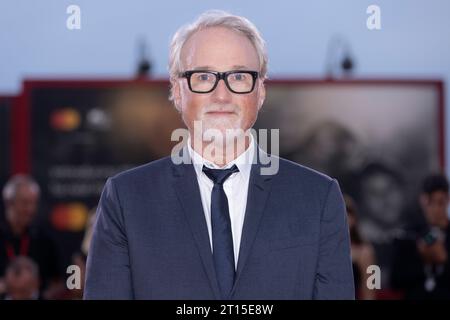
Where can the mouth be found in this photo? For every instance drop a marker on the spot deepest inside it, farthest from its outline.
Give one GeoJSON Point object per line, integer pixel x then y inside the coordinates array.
{"type": "Point", "coordinates": [220, 113]}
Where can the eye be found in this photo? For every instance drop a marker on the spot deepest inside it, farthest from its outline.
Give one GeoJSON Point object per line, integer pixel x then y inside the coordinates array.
{"type": "Point", "coordinates": [239, 76]}
{"type": "Point", "coordinates": [204, 76]}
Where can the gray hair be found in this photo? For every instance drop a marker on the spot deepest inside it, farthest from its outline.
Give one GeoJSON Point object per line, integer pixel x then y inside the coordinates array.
{"type": "Point", "coordinates": [10, 188]}
{"type": "Point", "coordinates": [215, 18]}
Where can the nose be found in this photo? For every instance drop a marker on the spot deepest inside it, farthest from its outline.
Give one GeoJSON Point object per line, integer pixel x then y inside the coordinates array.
{"type": "Point", "coordinates": [221, 93]}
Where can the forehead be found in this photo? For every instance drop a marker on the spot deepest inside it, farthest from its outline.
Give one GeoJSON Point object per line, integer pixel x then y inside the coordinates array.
{"type": "Point", "coordinates": [220, 49]}
{"type": "Point", "coordinates": [25, 189]}
{"type": "Point", "coordinates": [438, 195]}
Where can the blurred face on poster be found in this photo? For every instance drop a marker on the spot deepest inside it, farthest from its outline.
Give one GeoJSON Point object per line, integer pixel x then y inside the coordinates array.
{"type": "Point", "coordinates": [383, 198]}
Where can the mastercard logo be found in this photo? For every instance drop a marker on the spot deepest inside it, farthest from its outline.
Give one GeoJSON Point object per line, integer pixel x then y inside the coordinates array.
{"type": "Point", "coordinates": [69, 217]}
{"type": "Point", "coordinates": [66, 119]}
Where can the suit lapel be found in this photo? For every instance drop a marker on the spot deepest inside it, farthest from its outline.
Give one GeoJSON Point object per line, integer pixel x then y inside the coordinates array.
{"type": "Point", "coordinates": [258, 192]}
{"type": "Point", "coordinates": [188, 193]}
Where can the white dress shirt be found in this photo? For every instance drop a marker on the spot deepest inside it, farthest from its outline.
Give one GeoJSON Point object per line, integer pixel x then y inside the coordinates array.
{"type": "Point", "coordinates": [235, 187]}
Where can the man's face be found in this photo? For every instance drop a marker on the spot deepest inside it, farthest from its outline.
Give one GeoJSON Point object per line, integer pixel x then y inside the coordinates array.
{"type": "Point", "coordinates": [21, 283]}
{"type": "Point", "coordinates": [24, 205]}
{"type": "Point", "coordinates": [218, 49]}
{"type": "Point", "coordinates": [435, 206]}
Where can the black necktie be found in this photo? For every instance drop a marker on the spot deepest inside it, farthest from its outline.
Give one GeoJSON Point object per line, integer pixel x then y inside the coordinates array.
{"type": "Point", "coordinates": [222, 238]}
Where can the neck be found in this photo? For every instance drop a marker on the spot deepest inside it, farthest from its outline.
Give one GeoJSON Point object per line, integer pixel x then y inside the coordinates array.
{"type": "Point", "coordinates": [221, 152]}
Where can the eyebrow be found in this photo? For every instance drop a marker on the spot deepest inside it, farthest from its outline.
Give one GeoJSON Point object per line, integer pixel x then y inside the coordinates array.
{"type": "Point", "coordinates": [235, 67]}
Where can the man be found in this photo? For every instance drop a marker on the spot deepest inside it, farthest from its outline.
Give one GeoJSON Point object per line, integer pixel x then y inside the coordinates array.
{"type": "Point", "coordinates": [20, 237]}
{"type": "Point", "coordinates": [421, 269]}
{"type": "Point", "coordinates": [217, 227]}
{"type": "Point", "coordinates": [22, 280]}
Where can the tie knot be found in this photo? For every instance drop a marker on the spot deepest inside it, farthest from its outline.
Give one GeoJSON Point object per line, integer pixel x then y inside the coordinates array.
{"type": "Point", "coordinates": [218, 176]}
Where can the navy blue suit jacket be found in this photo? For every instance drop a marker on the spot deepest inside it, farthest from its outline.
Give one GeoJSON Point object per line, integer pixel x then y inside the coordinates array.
{"type": "Point", "coordinates": [150, 238]}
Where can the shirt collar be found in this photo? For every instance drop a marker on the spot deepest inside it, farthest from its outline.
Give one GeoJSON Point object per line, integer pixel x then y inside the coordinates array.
{"type": "Point", "coordinates": [243, 162]}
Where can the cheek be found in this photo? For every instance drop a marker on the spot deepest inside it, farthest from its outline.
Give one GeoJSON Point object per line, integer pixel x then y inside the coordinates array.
{"type": "Point", "coordinates": [191, 102]}
{"type": "Point", "coordinates": [441, 209]}
{"type": "Point", "coordinates": [193, 108]}
{"type": "Point", "coordinates": [249, 107]}
{"type": "Point", "coordinates": [190, 105]}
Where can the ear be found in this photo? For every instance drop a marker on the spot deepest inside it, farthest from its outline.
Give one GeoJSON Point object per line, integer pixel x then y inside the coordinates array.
{"type": "Point", "coordinates": [262, 94]}
{"type": "Point", "coordinates": [176, 91]}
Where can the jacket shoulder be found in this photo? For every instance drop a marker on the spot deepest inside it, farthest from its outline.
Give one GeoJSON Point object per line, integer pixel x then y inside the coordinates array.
{"type": "Point", "coordinates": [298, 171]}
{"type": "Point", "coordinates": [146, 172]}
{"type": "Point", "coordinates": [304, 180]}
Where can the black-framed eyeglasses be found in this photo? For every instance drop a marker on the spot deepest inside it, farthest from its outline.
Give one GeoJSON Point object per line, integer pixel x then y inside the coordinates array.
{"type": "Point", "coordinates": [205, 81]}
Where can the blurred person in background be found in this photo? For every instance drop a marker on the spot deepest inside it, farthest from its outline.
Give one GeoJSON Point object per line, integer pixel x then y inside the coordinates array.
{"type": "Point", "coordinates": [421, 268]}
{"type": "Point", "coordinates": [22, 280]}
{"type": "Point", "coordinates": [20, 236]}
{"type": "Point", "coordinates": [362, 253]}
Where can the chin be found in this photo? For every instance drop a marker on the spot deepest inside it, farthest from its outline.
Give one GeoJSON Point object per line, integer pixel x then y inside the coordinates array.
{"type": "Point", "coordinates": [222, 125]}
